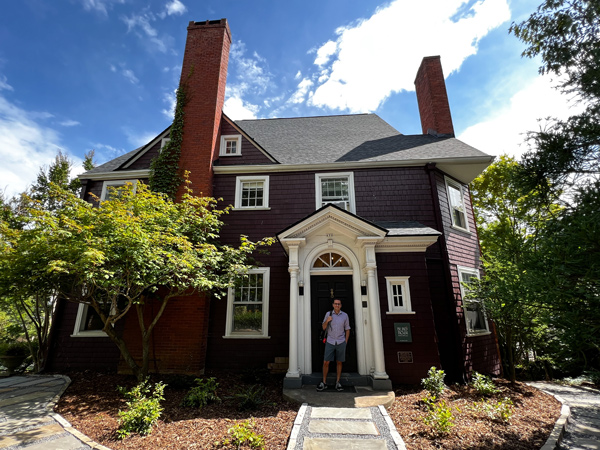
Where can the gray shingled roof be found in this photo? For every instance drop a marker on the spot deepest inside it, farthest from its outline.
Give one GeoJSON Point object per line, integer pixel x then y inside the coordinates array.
{"type": "Point", "coordinates": [407, 228]}
{"type": "Point", "coordinates": [361, 137]}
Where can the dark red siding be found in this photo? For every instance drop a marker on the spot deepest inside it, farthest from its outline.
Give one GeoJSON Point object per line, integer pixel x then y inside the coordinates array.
{"type": "Point", "coordinates": [250, 154]}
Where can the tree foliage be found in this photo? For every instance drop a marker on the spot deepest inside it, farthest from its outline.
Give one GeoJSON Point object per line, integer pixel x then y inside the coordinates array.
{"type": "Point", "coordinates": [137, 247]}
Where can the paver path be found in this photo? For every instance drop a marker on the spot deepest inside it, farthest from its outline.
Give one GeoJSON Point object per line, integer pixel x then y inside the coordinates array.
{"type": "Point", "coordinates": [583, 427]}
{"type": "Point", "coordinates": [26, 417]}
{"type": "Point", "coordinates": [322, 428]}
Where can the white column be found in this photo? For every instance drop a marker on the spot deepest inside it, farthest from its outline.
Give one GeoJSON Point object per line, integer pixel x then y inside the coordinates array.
{"type": "Point", "coordinates": [374, 310]}
{"type": "Point", "coordinates": [293, 353]}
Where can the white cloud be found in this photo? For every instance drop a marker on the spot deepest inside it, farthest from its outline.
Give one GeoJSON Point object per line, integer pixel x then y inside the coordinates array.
{"type": "Point", "coordinates": [238, 109]}
{"type": "Point", "coordinates": [505, 130]}
{"type": "Point", "coordinates": [127, 73]}
{"type": "Point", "coordinates": [379, 56]}
{"type": "Point", "coordinates": [298, 75]}
{"type": "Point", "coordinates": [100, 6]}
{"type": "Point", "coordinates": [171, 100]}
{"type": "Point", "coordinates": [300, 94]}
{"type": "Point", "coordinates": [25, 146]}
{"type": "Point", "coordinates": [175, 7]}
{"type": "Point", "coordinates": [149, 33]}
{"type": "Point", "coordinates": [136, 139]}
{"type": "Point", "coordinates": [4, 86]}
{"type": "Point", "coordinates": [69, 123]}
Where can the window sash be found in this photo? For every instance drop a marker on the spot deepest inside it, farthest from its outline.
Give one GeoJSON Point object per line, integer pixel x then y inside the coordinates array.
{"type": "Point", "coordinates": [248, 302]}
{"type": "Point", "coordinates": [252, 194]}
{"type": "Point", "coordinates": [398, 292]}
{"type": "Point", "coordinates": [457, 204]}
{"type": "Point", "coordinates": [336, 191]}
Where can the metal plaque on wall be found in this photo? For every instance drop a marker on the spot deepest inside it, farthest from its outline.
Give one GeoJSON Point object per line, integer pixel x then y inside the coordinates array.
{"type": "Point", "coordinates": [405, 357]}
{"type": "Point", "coordinates": [402, 332]}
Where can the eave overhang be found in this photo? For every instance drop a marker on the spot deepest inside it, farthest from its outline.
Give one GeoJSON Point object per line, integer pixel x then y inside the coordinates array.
{"type": "Point", "coordinates": [116, 175]}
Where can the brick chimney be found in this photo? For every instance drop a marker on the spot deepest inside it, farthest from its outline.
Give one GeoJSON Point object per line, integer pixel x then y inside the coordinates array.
{"type": "Point", "coordinates": [433, 98]}
{"type": "Point", "coordinates": [204, 72]}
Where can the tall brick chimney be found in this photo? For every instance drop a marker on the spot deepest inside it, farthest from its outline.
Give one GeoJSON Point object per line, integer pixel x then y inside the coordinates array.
{"type": "Point", "coordinates": [204, 72]}
{"type": "Point", "coordinates": [433, 98]}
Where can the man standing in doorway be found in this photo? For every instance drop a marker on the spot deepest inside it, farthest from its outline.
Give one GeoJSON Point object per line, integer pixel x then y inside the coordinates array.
{"type": "Point", "coordinates": [337, 338]}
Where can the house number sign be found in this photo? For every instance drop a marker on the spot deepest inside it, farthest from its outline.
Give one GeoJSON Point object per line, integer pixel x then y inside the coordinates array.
{"type": "Point", "coordinates": [403, 333]}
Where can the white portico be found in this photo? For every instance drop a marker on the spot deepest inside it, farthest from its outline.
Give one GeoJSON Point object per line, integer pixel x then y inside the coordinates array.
{"type": "Point", "coordinates": [334, 243]}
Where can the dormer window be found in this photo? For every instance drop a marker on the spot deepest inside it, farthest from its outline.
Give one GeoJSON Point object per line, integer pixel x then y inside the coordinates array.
{"type": "Point", "coordinates": [231, 145]}
{"type": "Point", "coordinates": [336, 189]}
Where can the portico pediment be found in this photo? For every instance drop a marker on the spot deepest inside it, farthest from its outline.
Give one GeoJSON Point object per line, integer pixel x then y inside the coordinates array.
{"type": "Point", "coordinates": [331, 220]}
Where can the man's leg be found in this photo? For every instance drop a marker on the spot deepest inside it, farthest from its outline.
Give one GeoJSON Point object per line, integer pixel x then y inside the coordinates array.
{"type": "Point", "coordinates": [325, 371]}
{"type": "Point", "coordinates": [339, 371]}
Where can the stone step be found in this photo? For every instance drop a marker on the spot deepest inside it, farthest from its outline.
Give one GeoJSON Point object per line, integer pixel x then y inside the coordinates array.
{"type": "Point", "coordinates": [343, 444]}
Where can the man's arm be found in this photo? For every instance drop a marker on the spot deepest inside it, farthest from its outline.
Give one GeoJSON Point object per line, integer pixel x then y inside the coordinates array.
{"type": "Point", "coordinates": [347, 335]}
{"type": "Point", "coordinates": [326, 321]}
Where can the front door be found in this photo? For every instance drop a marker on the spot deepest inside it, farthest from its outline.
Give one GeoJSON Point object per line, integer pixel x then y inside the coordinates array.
{"type": "Point", "coordinates": [324, 288]}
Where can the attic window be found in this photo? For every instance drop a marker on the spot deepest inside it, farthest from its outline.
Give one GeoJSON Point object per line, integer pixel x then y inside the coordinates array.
{"type": "Point", "coordinates": [231, 145]}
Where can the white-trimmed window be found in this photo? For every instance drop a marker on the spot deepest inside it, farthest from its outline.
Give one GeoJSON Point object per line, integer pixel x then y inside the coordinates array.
{"type": "Point", "coordinates": [398, 294]}
{"type": "Point", "coordinates": [231, 145]}
{"type": "Point", "coordinates": [106, 192]}
{"type": "Point", "coordinates": [88, 323]}
{"type": "Point", "coordinates": [475, 317]}
{"type": "Point", "coordinates": [336, 189]}
{"type": "Point", "coordinates": [252, 192]}
{"type": "Point", "coordinates": [248, 306]}
{"type": "Point", "coordinates": [456, 200]}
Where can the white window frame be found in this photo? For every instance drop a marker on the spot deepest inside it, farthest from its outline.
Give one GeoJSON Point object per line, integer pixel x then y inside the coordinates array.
{"type": "Point", "coordinates": [115, 183]}
{"type": "Point", "coordinates": [237, 138]}
{"type": "Point", "coordinates": [77, 332]}
{"type": "Point", "coordinates": [229, 333]}
{"type": "Point", "coordinates": [468, 270]}
{"type": "Point", "coordinates": [406, 307]}
{"type": "Point", "coordinates": [239, 184]}
{"type": "Point", "coordinates": [456, 185]}
{"type": "Point", "coordinates": [319, 177]}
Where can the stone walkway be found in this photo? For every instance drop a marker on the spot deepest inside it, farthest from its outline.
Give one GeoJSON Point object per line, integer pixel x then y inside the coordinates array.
{"type": "Point", "coordinates": [27, 420]}
{"type": "Point", "coordinates": [323, 428]}
{"type": "Point", "coordinates": [579, 430]}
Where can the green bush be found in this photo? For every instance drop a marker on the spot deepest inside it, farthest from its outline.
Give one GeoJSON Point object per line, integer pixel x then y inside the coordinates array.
{"type": "Point", "coordinates": [439, 417]}
{"type": "Point", "coordinates": [484, 385]}
{"type": "Point", "coordinates": [14, 349]}
{"type": "Point", "coordinates": [434, 383]}
{"type": "Point", "coordinates": [143, 409]}
{"type": "Point", "coordinates": [251, 399]}
{"type": "Point", "coordinates": [243, 434]}
{"type": "Point", "coordinates": [496, 410]}
{"type": "Point", "coordinates": [203, 394]}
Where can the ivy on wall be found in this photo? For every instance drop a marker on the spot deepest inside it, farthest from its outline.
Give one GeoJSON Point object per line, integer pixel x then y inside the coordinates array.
{"type": "Point", "coordinates": [165, 175]}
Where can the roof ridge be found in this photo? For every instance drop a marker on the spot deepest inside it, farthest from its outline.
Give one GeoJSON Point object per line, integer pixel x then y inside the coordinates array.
{"type": "Point", "coordinates": [307, 117]}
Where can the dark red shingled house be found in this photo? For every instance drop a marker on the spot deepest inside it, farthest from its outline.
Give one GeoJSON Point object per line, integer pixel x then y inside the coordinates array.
{"type": "Point", "coordinates": [363, 213]}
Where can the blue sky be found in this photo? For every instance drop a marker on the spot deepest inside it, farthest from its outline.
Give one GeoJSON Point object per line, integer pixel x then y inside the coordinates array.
{"type": "Point", "coordinates": [77, 75]}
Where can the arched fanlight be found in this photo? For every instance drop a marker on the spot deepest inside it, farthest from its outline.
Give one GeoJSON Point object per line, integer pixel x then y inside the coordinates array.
{"type": "Point", "coordinates": [330, 260]}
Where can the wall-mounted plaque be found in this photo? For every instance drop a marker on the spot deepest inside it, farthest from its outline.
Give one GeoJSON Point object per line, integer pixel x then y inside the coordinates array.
{"type": "Point", "coordinates": [405, 357]}
{"type": "Point", "coordinates": [402, 332]}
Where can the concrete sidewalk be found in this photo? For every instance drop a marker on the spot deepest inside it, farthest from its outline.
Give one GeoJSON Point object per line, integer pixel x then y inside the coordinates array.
{"type": "Point", "coordinates": [27, 420]}
{"type": "Point", "coordinates": [578, 428]}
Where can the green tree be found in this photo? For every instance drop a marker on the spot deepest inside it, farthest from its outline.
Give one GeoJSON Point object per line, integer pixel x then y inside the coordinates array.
{"type": "Point", "coordinates": [510, 224]}
{"type": "Point", "coordinates": [133, 249]}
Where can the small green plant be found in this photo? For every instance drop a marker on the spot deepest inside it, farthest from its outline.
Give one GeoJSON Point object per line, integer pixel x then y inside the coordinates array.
{"type": "Point", "coordinates": [496, 410]}
{"type": "Point", "coordinates": [434, 383]}
{"type": "Point", "coordinates": [143, 409]}
{"type": "Point", "coordinates": [251, 399]}
{"type": "Point", "coordinates": [484, 385]}
{"type": "Point", "coordinates": [429, 401]}
{"type": "Point", "coordinates": [440, 417]}
{"type": "Point", "coordinates": [203, 394]}
{"type": "Point", "coordinates": [243, 434]}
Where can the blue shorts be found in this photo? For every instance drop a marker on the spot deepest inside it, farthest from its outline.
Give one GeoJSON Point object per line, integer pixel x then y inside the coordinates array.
{"type": "Point", "coordinates": [339, 351]}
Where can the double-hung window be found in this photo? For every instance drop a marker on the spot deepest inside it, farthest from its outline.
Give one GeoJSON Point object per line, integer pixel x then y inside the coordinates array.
{"type": "Point", "coordinates": [108, 193]}
{"type": "Point", "coordinates": [398, 295]}
{"type": "Point", "coordinates": [457, 204]}
{"type": "Point", "coordinates": [336, 189]}
{"type": "Point", "coordinates": [248, 306]}
{"type": "Point", "coordinates": [231, 145]}
{"type": "Point", "coordinates": [252, 192]}
{"type": "Point", "coordinates": [475, 317]}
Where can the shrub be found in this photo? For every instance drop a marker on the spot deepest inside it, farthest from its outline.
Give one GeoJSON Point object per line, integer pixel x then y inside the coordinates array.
{"type": "Point", "coordinates": [500, 410]}
{"type": "Point", "coordinates": [143, 409]}
{"type": "Point", "coordinates": [203, 394]}
{"type": "Point", "coordinates": [251, 399]}
{"type": "Point", "coordinates": [484, 385]}
{"type": "Point", "coordinates": [439, 417]}
{"type": "Point", "coordinates": [243, 434]}
{"type": "Point", "coordinates": [434, 383]}
{"type": "Point", "coordinates": [14, 349]}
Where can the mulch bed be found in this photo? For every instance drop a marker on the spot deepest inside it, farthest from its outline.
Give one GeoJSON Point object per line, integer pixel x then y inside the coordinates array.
{"type": "Point", "coordinates": [91, 404]}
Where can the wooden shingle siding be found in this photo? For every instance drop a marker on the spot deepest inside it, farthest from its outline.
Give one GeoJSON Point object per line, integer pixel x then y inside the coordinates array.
{"type": "Point", "coordinates": [143, 162]}
{"type": "Point", "coordinates": [79, 353]}
{"type": "Point", "coordinates": [250, 154]}
{"type": "Point", "coordinates": [424, 341]}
